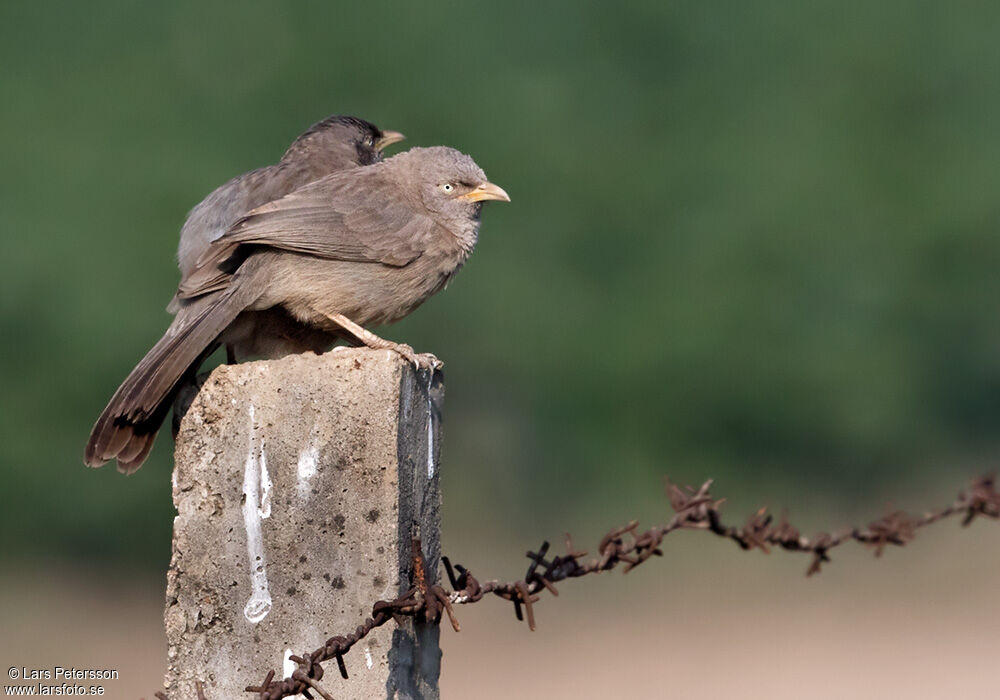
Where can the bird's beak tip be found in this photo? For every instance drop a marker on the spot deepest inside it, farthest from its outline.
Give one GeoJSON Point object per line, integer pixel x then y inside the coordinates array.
{"type": "Point", "coordinates": [388, 138]}
{"type": "Point", "coordinates": [502, 195]}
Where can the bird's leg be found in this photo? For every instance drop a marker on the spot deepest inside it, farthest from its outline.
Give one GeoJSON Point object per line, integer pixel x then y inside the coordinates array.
{"type": "Point", "coordinates": [420, 360]}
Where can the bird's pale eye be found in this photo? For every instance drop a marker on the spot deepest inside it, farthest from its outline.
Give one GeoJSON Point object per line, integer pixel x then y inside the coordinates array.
{"type": "Point", "coordinates": [447, 187]}
{"type": "Point", "coordinates": [370, 141]}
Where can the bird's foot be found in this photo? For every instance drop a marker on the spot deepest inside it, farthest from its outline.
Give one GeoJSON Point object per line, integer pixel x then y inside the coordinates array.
{"type": "Point", "coordinates": [361, 336]}
{"type": "Point", "coordinates": [423, 360]}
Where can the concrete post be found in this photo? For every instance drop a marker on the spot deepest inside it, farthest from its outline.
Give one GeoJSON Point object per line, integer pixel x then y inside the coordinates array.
{"type": "Point", "coordinates": [297, 485]}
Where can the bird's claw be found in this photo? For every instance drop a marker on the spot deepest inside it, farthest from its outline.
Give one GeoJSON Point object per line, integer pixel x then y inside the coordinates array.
{"type": "Point", "coordinates": [423, 360]}
{"type": "Point", "coordinates": [426, 360]}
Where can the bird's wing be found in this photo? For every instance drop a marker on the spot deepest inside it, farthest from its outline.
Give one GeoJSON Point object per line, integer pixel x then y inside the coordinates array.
{"type": "Point", "coordinates": [353, 216]}
{"type": "Point", "coordinates": [213, 216]}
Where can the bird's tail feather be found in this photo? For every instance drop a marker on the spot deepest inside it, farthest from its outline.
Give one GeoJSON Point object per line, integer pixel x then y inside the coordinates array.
{"type": "Point", "coordinates": [127, 427]}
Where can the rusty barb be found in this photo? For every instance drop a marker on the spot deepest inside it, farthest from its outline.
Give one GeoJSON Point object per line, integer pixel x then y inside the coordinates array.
{"type": "Point", "coordinates": [694, 509]}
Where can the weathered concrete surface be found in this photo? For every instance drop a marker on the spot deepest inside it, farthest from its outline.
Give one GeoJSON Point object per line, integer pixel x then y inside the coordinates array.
{"type": "Point", "coordinates": [297, 483]}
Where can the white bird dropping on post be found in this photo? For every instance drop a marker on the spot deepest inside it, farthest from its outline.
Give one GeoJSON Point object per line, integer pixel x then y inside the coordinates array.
{"type": "Point", "coordinates": [256, 507]}
{"type": "Point", "coordinates": [430, 428]}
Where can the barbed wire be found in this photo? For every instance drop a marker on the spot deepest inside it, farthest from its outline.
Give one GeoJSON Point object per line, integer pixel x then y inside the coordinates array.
{"type": "Point", "coordinates": [694, 509]}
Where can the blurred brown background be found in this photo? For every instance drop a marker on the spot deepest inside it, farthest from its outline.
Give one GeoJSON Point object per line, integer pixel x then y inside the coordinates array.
{"type": "Point", "coordinates": [756, 242]}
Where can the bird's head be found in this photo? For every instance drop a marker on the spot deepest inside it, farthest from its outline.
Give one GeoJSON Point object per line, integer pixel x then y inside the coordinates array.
{"type": "Point", "coordinates": [341, 141]}
{"type": "Point", "coordinates": [450, 183]}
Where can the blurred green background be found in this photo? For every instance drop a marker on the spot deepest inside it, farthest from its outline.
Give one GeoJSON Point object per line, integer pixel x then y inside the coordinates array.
{"type": "Point", "coordinates": [753, 241]}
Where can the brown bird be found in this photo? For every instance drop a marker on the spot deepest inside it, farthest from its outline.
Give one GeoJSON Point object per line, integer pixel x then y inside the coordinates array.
{"type": "Point", "coordinates": [366, 245]}
{"type": "Point", "coordinates": [335, 143]}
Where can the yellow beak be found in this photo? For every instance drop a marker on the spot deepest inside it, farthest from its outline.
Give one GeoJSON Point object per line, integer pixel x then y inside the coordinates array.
{"type": "Point", "coordinates": [388, 138]}
{"type": "Point", "coordinates": [485, 191]}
